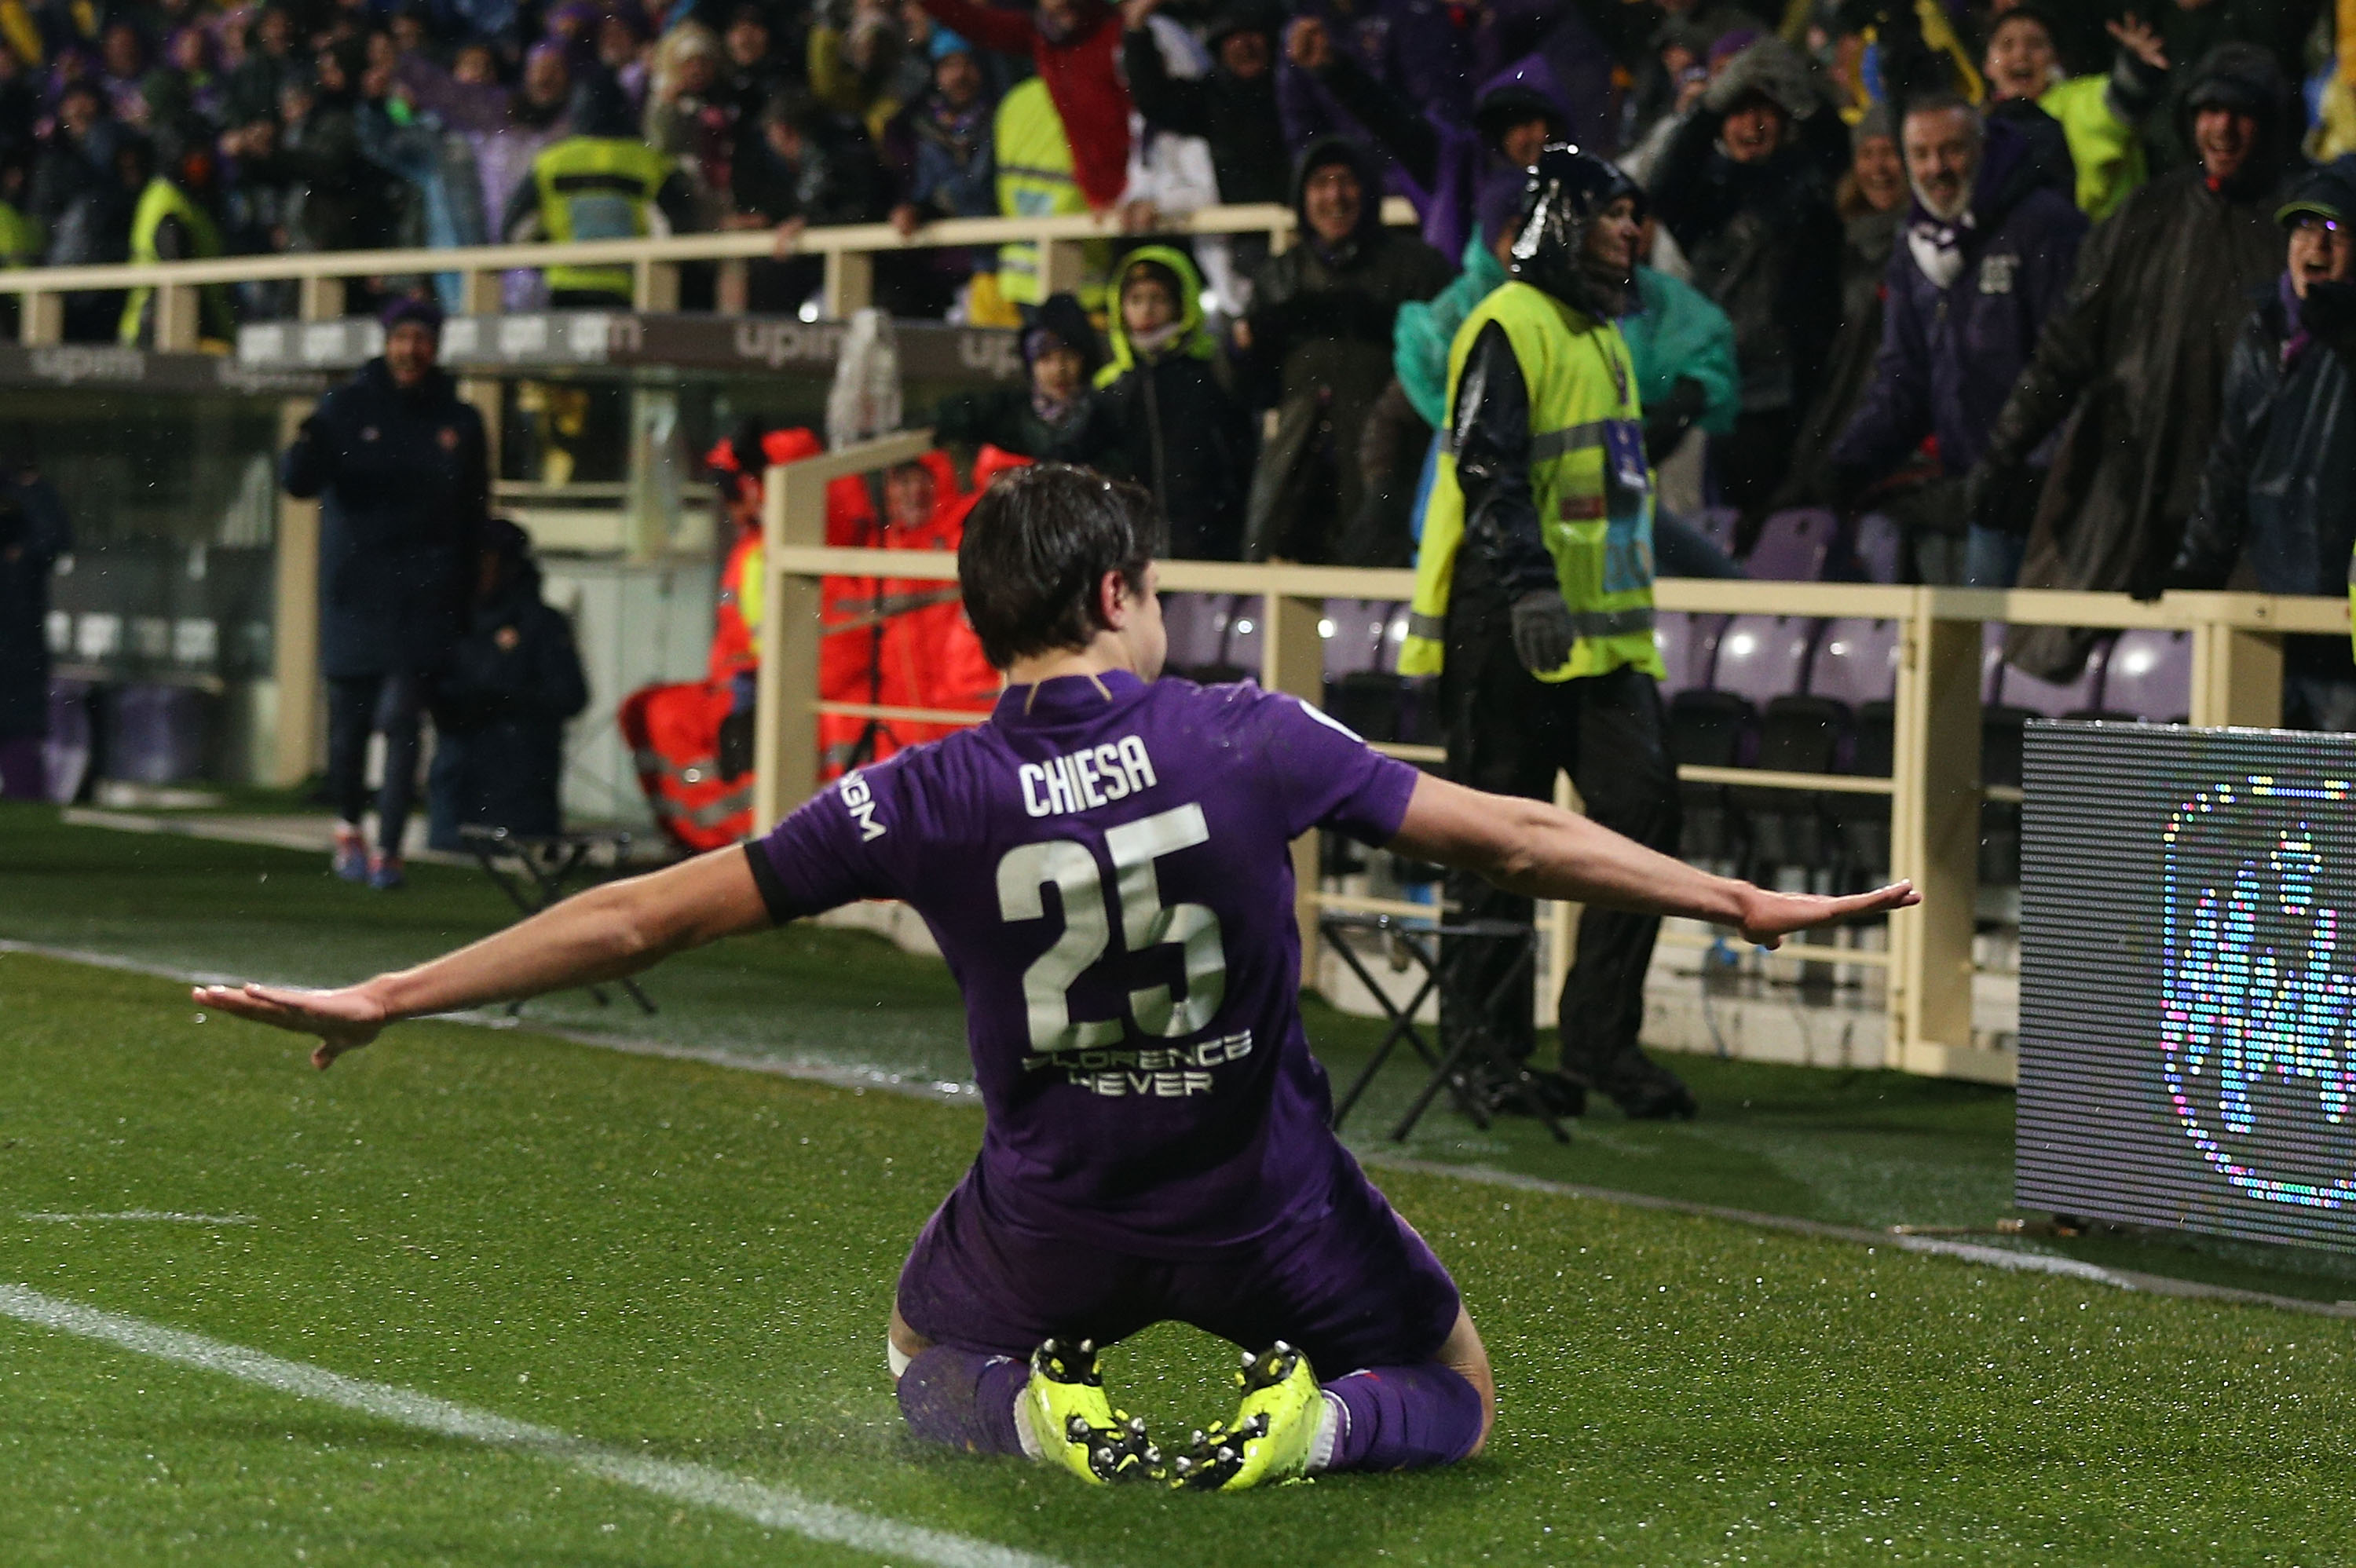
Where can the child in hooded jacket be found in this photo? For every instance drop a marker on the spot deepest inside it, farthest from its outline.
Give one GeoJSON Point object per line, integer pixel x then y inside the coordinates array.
{"type": "Point", "coordinates": [1163, 412]}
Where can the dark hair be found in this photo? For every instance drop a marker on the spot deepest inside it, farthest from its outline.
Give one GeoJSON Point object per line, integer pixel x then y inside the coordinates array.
{"type": "Point", "coordinates": [1037, 544]}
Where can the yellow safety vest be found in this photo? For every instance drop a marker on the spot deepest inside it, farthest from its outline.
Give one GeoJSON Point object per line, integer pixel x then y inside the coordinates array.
{"type": "Point", "coordinates": [1581, 383]}
{"type": "Point", "coordinates": [160, 200]}
{"type": "Point", "coordinates": [598, 187]}
{"type": "Point", "coordinates": [1035, 180]}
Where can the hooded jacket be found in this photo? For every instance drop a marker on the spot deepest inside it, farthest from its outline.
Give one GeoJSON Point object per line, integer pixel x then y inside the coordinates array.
{"type": "Point", "coordinates": [404, 482]}
{"type": "Point", "coordinates": [2276, 490]}
{"type": "Point", "coordinates": [499, 707]}
{"type": "Point", "coordinates": [1170, 421]}
{"type": "Point", "coordinates": [1454, 171]}
{"type": "Point", "coordinates": [1321, 348]}
{"type": "Point", "coordinates": [1237, 116]}
{"type": "Point", "coordinates": [1758, 237]}
{"type": "Point", "coordinates": [1008, 418]}
{"type": "Point", "coordinates": [1949, 355]}
{"type": "Point", "coordinates": [2131, 367]}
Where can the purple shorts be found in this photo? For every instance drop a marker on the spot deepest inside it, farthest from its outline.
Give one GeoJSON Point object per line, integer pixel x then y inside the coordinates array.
{"type": "Point", "coordinates": [1353, 1287]}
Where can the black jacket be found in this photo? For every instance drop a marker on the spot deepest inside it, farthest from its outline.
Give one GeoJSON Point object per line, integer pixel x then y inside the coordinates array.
{"type": "Point", "coordinates": [1171, 424]}
{"type": "Point", "coordinates": [1759, 237]}
{"type": "Point", "coordinates": [1237, 116]}
{"type": "Point", "coordinates": [2278, 490]}
{"type": "Point", "coordinates": [33, 534]}
{"type": "Point", "coordinates": [403, 480]}
{"type": "Point", "coordinates": [499, 708]}
{"type": "Point", "coordinates": [1321, 353]}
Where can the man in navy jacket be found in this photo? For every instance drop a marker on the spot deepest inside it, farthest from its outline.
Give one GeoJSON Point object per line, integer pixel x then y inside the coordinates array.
{"type": "Point", "coordinates": [403, 474]}
{"type": "Point", "coordinates": [1986, 254]}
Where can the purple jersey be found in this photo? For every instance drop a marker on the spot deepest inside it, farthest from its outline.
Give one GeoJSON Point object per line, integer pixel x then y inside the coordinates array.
{"type": "Point", "coordinates": [1103, 864]}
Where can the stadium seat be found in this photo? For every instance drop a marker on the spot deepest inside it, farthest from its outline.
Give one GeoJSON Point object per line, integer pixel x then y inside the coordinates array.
{"type": "Point", "coordinates": [1718, 524]}
{"type": "Point", "coordinates": [1793, 547]}
{"type": "Point", "coordinates": [1688, 647]}
{"type": "Point", "coordinates": [1355, 641]}
{"type": "Point", "coordinates": [1877, 548]}
{"type": "Point", "coordinates": [1371, 701]}
{"type": "Point", "coordinates": [2002, 731]}
{"type": "Point", "coordinates": [1856, 662]}
{"type": "Point", "coordinates": [2149, 676]}
{"type": "Point", "coordinates": [1712, 730]}
{"type": "Point", "coordinates": [1193, 624]}
{"type": "Point", "coordinates": [1395, 634]}
{"type": "Point", "coordinates": [1763, 657]}
{"type": "Point", "coordinates": [1857, 666]}
{"type": "Point", "coordinates": [1239, 647]}
{"type": "Point", "coordinates": [2019, 689]}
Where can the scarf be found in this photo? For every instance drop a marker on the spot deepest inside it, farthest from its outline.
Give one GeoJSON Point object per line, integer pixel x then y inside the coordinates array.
{"type": "Point", "coordinates": [2295, 342]}
{"type": "Point", "coordinates": [1150, 343]}
{"type": "Point", "coordinates": [1937, 246]}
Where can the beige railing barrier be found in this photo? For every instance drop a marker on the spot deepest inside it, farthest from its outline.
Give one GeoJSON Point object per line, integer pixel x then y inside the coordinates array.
{"type": "Point", "coordinates": [849, 250]}
{"type": "Point", "coordinates": [1934, 787]}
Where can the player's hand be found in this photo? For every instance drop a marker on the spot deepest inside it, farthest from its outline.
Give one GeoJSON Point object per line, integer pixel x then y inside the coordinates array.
{"type": "Point", "coordinates": [1769, 916]}
{"type": "Point", "coordinates": [342, 1020]}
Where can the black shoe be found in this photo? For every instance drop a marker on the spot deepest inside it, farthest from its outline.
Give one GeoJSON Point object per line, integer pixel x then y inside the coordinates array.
{"type": "Point", "coordinates": [1646, 1092]}
{"type": "Point", "coordinates": [1503, 1096]}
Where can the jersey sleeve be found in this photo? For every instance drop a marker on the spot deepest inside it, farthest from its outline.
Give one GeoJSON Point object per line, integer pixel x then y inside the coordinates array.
{"type": "Point", "coordinates": [1327, 776]}
{"type": "Point", "coordinates": [834, 850]}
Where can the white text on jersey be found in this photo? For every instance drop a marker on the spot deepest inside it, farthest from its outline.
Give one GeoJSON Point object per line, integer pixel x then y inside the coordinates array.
{"type": "Point", "coordinates": [1083, 779]}
{"type": "Point", "coordinates": [861, 800]}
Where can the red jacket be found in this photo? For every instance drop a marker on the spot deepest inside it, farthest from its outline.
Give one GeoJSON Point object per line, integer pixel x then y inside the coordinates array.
{"type": "Point", "coordinates": [1083, 77]}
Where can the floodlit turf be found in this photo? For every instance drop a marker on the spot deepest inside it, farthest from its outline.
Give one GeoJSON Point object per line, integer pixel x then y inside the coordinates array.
{"type": "Point", "coordinates": [1863, 1149]}
{"type": "Point", "coordinates": [695, 1263]}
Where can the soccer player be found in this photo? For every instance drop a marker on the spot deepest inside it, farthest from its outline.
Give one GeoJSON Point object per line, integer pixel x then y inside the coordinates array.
{"type": "Point", "coordinates": [1103, 864]}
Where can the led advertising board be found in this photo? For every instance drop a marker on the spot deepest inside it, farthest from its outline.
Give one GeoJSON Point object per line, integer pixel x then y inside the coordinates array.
{"type": "Point", "coordinates": [2187, 977]}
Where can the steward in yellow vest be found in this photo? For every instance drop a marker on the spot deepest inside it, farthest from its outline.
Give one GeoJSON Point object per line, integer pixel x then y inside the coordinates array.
{"type": "Point", "coordinates": [169, 225]}
{"type": "Point", "coordinates": [1036, 181]}
{"type": "Point", "coordinates": [1534, 605]}
{"type": "Point", "coordinates": [601, 183]}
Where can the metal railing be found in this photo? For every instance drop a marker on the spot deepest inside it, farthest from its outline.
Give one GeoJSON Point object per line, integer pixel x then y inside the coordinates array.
{"type": "Point", "coordinates": [1934, 786]}
{"type": "Point", "coordinates": [847, 249]}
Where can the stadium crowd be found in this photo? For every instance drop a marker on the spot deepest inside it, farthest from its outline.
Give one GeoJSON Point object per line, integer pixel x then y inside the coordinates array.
{"type": "Point", "coordinates": [1891, 248]}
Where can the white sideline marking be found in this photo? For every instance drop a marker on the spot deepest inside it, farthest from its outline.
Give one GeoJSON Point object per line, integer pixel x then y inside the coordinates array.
{"type": "Point", "coordinates": [163, 1216]}
{"type": "Point", "coordinates": [773, 1507]}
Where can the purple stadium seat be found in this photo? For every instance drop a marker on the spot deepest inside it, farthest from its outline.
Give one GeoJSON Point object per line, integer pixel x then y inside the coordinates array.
{"type": "Point", "coordinates": [1877, 548]}
{"type": "Point", "coordinates": [1393, 634]}
{"type": "Point", "coordinates": [2149, 677]}
{"type": "Point", "coordinates": [1688, 645]}
{"type": "Point", "coordinates": [1193, 622]}
{"type": "Point", "coordinates": [1793, 546]}
{"type": "Point", "coordinates": [1239, 645]}
{"type": "Point", "coordinates": [1763, 657]}
{"type": "Point", "coordinates": [1719, 523]}
{"type": "Point", "coordinates": [1356, 642]}
{"type": "Point", "coordinates": [2021, 689]}
{"type": "Point", "coordinates": [1856, 662]}
{"type": "Point", "coordinates": [1991, 659]}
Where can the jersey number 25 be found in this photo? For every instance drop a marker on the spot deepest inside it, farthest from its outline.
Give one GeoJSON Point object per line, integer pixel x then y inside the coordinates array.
{"type": "Point", "coordinates": [1068, 866]}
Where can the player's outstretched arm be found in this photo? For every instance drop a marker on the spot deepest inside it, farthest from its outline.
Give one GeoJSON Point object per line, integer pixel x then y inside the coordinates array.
{"type": "Point", "coordinates": [1541, 851]}
{"type": "Point", "coordinates": [610, 931]}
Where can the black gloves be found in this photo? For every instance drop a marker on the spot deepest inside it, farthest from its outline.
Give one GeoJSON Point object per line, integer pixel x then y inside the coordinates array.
{"type": "Point", "coordinates": [1667, 422]}
{"type": "Point", "coordinates": [2002, 498]}
{"type": "Point", "coordinates": [1543, 632]}
{"type": "Point", "coordinates": [1846, 484]}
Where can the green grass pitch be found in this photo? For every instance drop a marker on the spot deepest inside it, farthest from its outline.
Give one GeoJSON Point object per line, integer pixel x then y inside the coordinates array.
{"type": "Point", "coordinates": [693, 1263]}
